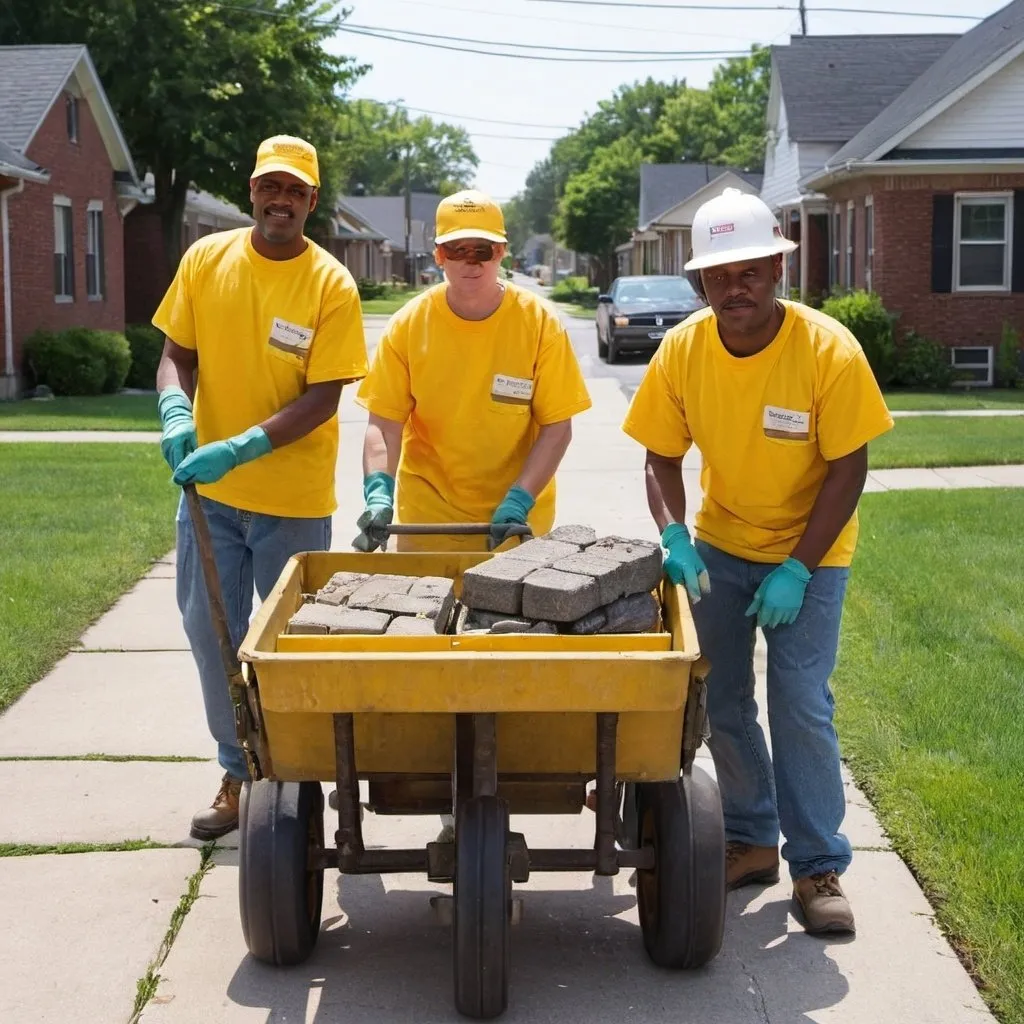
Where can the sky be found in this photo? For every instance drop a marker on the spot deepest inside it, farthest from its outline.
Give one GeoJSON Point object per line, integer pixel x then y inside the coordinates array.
{"type": "Point", "coordinates": [547, 98]}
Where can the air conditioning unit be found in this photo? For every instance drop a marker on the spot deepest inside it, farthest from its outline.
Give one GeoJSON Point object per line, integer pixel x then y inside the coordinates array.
{"type": "Point", "coordinates": [973, 365]}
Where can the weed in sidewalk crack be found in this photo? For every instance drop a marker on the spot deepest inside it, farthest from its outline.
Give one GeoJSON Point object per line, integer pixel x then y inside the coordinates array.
{"type": "Point", "coordinates": [145, 987]}
{"type": "Point", "coordinates": [38, 850]}
{"type": "Point", "coordinates": [112, 758]}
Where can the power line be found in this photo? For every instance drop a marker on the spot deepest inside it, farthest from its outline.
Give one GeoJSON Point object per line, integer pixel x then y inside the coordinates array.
{"type": "Point", "coordinates": [749, 7]}
{"type": "Point", "coordinates": [491, 120]}
{"type": "Point", "coordinates": [528, 46]}
{"type": "Point", "coordinates": [705, 56]}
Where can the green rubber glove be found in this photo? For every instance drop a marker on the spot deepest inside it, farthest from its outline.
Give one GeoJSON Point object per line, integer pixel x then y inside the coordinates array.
{"type": "Point", "coordinates": [207, 464]}
{"type": "Point", "coordinates": [179, 430]}
{"type": "Point", "coordinates": [514, 509]}
{"type": "Point", "coordinates": [379, 499]}
{"type": "Point", "coordinates": [777, 602]}
{"type": "Point", "coordinates": [682, 563]}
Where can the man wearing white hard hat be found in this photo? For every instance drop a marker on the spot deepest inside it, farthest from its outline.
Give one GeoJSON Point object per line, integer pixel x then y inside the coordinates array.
{"type": "Point", "coordinates": [781, 402]}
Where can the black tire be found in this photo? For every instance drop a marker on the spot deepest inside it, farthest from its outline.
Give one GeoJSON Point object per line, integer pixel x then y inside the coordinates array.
{"type": "Point", "coordinates": [482, 911]}
{"type": "Point", "coordinates": [602, 346]}
{"type": "Point", "coordinates": [682, 900]}
{"type": "Point", "coordinates": [279, 896]}
{"type": "Point", "coordinates": [613, 351]}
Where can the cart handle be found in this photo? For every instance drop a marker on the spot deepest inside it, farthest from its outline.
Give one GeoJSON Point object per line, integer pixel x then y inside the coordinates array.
{"type": "Point", "coordinates": [455, 529]}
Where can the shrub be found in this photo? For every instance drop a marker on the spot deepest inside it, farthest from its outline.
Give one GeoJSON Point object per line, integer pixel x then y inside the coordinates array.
{"type": "Point", "coordinates": [923, 363]}
{"type": "Point", "coordinates": [78, 361]}
{"type": "Point", "coordinates": [575, 290]}
{"type": "Point", "coordinates": [369, 289]}
{"type": "Point", "coordinates": [147, 345]}
{"type": "Point", "coordinates": [863, 314]}
{"type": "Point", "coordinates": [1008, 373]}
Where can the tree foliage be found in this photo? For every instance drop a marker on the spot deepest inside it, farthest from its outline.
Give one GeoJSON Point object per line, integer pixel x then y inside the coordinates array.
{"type": "Point", "coordinates": [376, 138]}
{"type": "Point", "coordinates": [197, 86]}
{"type": "Point", "coordinates": [588, 186]}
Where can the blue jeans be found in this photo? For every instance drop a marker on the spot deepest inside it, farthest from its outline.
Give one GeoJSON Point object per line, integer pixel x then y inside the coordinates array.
{"type": "Point", "coordinates": [249, 548]}
{"type": "Point", "coordinates": [799, 788]}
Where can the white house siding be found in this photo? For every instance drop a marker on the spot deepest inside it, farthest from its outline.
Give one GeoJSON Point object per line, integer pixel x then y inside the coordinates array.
{"type": "Point", "coordinates": [782, 163]}
{"type": "Point", "coordinates": [814, 156]}
{"type": "Point", "coordinates": [989, 117]}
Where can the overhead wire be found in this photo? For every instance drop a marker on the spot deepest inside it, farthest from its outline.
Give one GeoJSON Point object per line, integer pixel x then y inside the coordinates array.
{"type": "Point", "coordinates": [769, 8]}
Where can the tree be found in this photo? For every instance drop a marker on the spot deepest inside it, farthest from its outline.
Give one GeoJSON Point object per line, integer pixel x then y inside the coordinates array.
{"type": "Point", "coordinates": [197, 86]}
{"type": "Point", "coordinates": [376, 138]}
{"type": "Point", "coordinates": [598, 209]}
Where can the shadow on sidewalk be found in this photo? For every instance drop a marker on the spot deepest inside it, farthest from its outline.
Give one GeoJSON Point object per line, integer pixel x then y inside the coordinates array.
{"type": "Point", "coordinates": [382, 955]}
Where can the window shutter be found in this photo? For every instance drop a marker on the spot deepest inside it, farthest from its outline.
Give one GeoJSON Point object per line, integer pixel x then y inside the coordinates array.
{"type": "Point", "coordinates": [1017, 258]}
{"type": "Point", "coordinates": [942, 243]}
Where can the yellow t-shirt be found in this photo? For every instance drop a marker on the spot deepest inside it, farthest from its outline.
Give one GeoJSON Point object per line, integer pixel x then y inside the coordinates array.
{"type": "Point", "coordinates": [766, 425]}
{"type": "Point", "coordinates": [473, 395]}
{"type": "Point", "coordinates": [264, 330]}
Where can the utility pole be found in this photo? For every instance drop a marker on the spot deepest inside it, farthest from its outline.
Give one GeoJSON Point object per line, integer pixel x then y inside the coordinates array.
{"type": "Point", "coordinates": [408, 221]}
{"type": "Point", "coordinates": [803, 17]}
{"type": "Point", "coordinates": [554, 243]}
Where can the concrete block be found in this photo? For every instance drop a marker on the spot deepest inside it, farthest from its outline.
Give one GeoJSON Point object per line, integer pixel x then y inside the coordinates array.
{"type": "Point", "coordinates": [405, 604]}
{"type": "Point", "coordinates": [496, 585]}
{"type": "Point", "coordinates": [544, 627]}
{"type": "Point", "coordinates": [360, 622]}
{"type": "Point", "coordinates": [474, 619]}
{"type": "Point", "coordinates": [540, 553]}
{"type": "Point", "coordinates": [581, 536]}
{"type": "Point", "coordinates": [411, 625]}
{"type": "Point", "coordinates": [512, 626]}
{"type": "Point", "coordinates": [641, 561]}
{"type": "Point", "coordinates": [638, 613]}
{"type": "Point", "coordinates": [437, 586]}
{"type": "Point", "coordinates": [612, 575]}
{"type": "Point", "coordinates": [559, 596]}
{"type": "Point", "coordinates": [340, 587]}
{"type": "Point", "coordinates": [377, 587]}
{"type": "Point", "coordinates": [312, 618]}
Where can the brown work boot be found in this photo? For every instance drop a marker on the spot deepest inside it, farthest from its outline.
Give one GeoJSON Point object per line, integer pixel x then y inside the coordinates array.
{"type": "Point", "coordinates": [221, 817]}
{"type": "Point", "coordinates": [750, 865]}
{"type": "Point", "coordinates": [823, 903]}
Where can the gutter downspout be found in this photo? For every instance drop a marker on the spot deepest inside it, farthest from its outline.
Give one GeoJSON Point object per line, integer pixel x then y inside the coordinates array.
{"type": "Point", "coordinates": [5, 230]}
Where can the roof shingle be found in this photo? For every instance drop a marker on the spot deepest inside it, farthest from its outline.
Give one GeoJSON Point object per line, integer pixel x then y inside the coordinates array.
{"type": "Point", "coordinates": [663, 186]}
{"type": "Point", "coordinates": [30, 77]}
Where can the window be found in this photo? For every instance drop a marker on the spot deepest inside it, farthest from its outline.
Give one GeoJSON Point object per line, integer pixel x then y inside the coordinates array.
{"type": "Point", "coordinates": [95, 268]}
{"type": "Point", "coordinates": [851, 227]}
{"type": "Point", "coordinates": [982, 242]}
{"type": "Point", "coordinates": [71, 109]}
{"type": "Point", "coordinates": [973, 365]}
{"type": "Point", "coordinates": [837, 228]}
{"type": "Point", "coordinates": [63, 251]}
{"type": "Point", "coordinates": [869, 242]}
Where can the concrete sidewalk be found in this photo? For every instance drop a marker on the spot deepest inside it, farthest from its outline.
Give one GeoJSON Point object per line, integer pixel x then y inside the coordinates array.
{"type": "Point", "coordinates": [84, 928]}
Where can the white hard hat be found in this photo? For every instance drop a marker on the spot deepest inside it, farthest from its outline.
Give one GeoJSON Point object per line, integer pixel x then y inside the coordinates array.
{"type": "Point", "coordinates": [733, 227]}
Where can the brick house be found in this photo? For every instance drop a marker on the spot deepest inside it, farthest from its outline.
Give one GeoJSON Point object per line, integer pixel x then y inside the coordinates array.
{"type": "Point", "coordinates": [923, 200]}
{"type": "Point", "coordinates": [670, 194]}
{"type": "Point", "coordinates": [66, 183]}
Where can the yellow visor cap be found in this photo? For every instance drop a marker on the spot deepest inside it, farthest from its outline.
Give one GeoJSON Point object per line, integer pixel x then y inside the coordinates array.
{"type": "Point", "coordinates": [289, 154]}
{"type": "Point", "coordinates": [469, 214]}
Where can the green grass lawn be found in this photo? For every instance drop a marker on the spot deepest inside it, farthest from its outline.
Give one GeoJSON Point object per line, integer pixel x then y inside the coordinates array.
{"type": "Point", "coordinates": [582, 312]}
{"type": "Point", "coordinates": [950, 441]}
{"type": "Point", "coordinates": [930, 706]}
{"type": "Point", "coordinates": [81, 523]}
{"type": "Point", "coordinates": [392, 303]}
{"type": "Point", "coordinates": [104, 412]}
{"type": "Point", "coordinates": [940, 401]}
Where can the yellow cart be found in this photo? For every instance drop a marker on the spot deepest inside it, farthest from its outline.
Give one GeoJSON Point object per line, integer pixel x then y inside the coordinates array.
{"type": "Point", "coordinates": [480, 726]}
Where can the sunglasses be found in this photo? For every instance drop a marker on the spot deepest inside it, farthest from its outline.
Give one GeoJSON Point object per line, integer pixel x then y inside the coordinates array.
{"type": "Point", "coordinates": [481, 252]}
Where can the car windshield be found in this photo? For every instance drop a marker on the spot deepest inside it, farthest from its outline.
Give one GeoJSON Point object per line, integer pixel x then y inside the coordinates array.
{"type": "Point", "coordinates": [654, 289]}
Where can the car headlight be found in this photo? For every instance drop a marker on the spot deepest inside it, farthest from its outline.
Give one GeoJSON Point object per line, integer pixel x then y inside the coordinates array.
{"type": "Point", "coordinates": [622, 321]}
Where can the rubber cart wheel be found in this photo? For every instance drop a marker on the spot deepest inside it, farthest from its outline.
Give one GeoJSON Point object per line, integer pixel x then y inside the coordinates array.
{"type": "Point", "coordinates": [483, 894]}
{"type": "Point", "coordinates": [279, 895]}
{"type": "Point", "coordinates": [682, 900]}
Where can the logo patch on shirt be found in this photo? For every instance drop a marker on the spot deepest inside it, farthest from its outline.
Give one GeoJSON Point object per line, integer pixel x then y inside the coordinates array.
{"type": "Point", "coordinates": [291, 338]}
{"type": "Point", "coordinates": [511, 390]}
{"type": "Point", "coordinates": [786, 423]}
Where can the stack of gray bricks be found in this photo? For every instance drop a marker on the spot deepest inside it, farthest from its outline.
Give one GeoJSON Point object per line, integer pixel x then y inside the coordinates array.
{"type": "Point", "coordinates": [568, 581]}
{"type": "Point", "coordinates": [373, 605]}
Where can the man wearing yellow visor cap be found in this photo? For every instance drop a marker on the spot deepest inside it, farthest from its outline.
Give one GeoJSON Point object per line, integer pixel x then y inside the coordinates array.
{"type": "Point", "coordinates": [263, 327]}
{"type": "Point", "coordinates": [471, 395]}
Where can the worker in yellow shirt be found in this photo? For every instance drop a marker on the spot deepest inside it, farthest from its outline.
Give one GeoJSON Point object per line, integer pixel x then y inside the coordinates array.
{"type": "Point", "coordinates": [781, 402]}
{"type": "Point", "coordinates": [263, 327]}
{"type": "Point", "coordinates": [471, 396]}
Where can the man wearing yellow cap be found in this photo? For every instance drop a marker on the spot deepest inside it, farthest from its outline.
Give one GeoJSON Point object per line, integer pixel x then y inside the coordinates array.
{"type": "Point", "coordinates": [263, 328]}
{"type": "Point", "coordinates": [782, 404]}
{"type": "Point", "coordinates": [471, 395]}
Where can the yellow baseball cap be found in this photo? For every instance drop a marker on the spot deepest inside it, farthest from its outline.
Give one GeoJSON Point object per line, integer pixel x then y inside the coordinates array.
{"type": "Point", "coordinates": [469, 214]}
{"type": "Point", "coordinates": [290, 154]}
